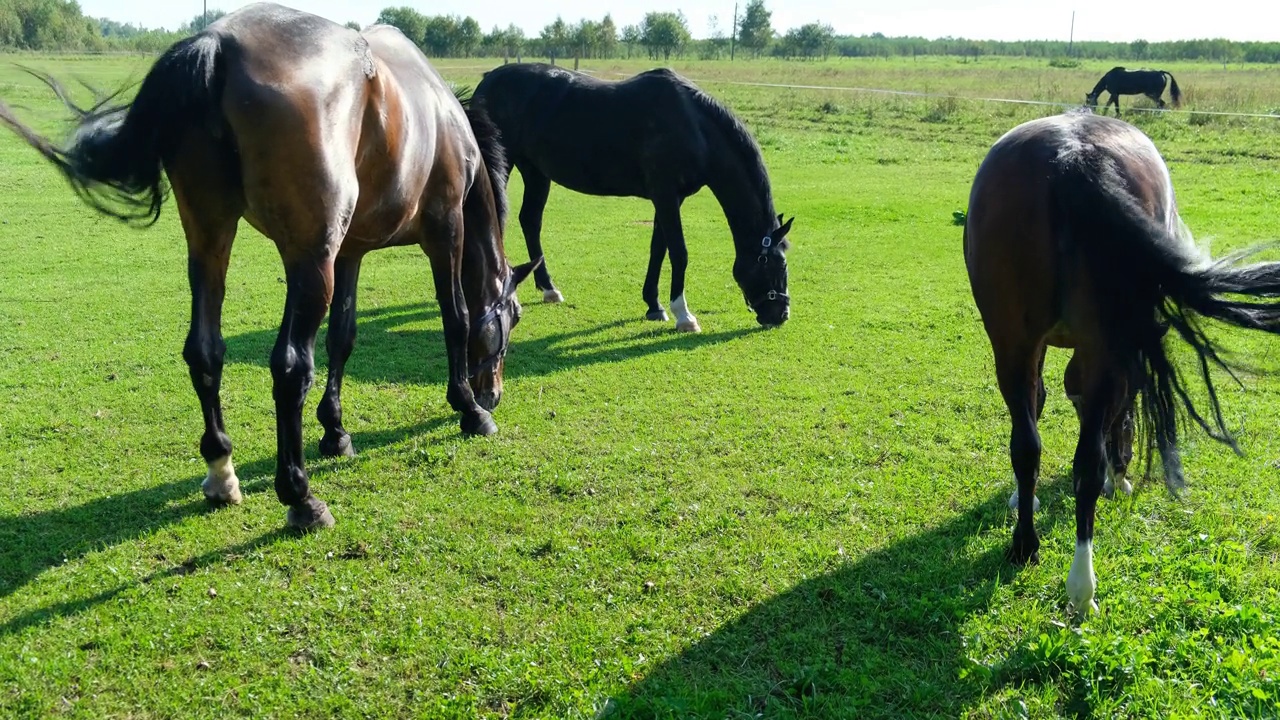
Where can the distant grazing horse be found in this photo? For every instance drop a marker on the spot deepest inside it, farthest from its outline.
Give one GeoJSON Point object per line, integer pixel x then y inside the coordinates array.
{"type": "Point", "coordinates": [332, 143]}
{"type": "Point", "coordinates": [1073, 240]}
{"type": "Point", "coordinates": [1119, 81]}
{"type": "Point", "coordinates": [654, 136]}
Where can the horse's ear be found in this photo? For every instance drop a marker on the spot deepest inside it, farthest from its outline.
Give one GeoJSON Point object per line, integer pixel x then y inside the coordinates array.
{"type": "Point", "coordinates": [786, 227]}
{"type": "Point", "coordinates": [520, 272]}
{"type": "Point", "coordinates": [779, 218]}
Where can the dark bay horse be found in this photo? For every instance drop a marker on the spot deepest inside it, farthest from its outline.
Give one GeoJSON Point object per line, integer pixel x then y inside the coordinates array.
{"type": "Point", "coordinates": [654, 136]}
{"type": "Point", "coordinates": [1073, 240]}
{"type": "Point", "coordinates": [1119, 81]}
{"type": "Point", "coordinates": [332, 143]}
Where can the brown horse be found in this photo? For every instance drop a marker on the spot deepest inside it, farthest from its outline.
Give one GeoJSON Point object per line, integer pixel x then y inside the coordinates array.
{"type": "Point", "coordinates": [1073, 240]}
{"type": "Point", "coordinates": [332, 143]}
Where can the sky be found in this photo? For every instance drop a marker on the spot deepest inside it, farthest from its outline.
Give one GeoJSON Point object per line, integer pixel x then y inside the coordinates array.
{"type": "Point", "coordinates": [1115, 20]}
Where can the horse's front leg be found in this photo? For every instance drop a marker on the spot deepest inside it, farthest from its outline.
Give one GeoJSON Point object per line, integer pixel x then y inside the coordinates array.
{"type": "Point", "coordinates": [443, 246]}
{"type": "Point", "coordinates": [668, 217]}
{"type": "Point", "coordinates": [340, 341]}
{"type": "Point", "coordinates": [657, 253]}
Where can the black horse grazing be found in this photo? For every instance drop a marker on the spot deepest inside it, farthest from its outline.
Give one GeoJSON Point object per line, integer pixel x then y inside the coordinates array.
{"type": "Point", "coordinates": [1073, 240]}
{"type": "Point", "coordinates": [333, 143]}
{"type": "Point", "coordinates": [654, 136]}
{"type": "Point", "coordinates": [1119, 81]}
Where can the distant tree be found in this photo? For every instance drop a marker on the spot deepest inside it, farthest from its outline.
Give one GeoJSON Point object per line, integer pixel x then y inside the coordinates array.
{"type": "Point", "coordinates": [664, 33]}
{"type": "Point", "coordinates": [409, 21]}
{"type": "Point", "coordinates": [468, 36]}
{"type": "Point", "coordinates": [555, 38]}
{"type": "Point", "coordinates": [200, 22]}
{"type": "Point", "coordinates": [755, 29]}
{"type": "Point", "coordinates": [630, 37]}
{"type": "Point", "coordinates": [1138, 49]}
{"type": "Point", "coordinates": [808, 41]}
{"type": "Point", "coordinates": [607, 40]}
{"type": "Point", "coordinates": [355, 26]}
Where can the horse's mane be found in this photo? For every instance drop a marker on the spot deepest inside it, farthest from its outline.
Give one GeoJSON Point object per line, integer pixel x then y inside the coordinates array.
{"type": "Point", "coordinates": [491, 151]}
{"type": "Point", "coordinates": [740, 137]}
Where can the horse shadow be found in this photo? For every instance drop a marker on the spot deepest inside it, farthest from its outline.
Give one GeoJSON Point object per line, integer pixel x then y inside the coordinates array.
{"type": "Point", "coordinates": [32, 543]}
{"type": "Point", "coordinates": [405, 344]}
{"type": "Point", "coordinates": [880, 637]}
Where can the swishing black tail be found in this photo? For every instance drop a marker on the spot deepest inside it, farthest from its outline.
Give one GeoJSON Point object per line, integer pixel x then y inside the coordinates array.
{"type": "Point", "coordinates": [1153, 282]}
{"type": "Point", "coordinates": [113, 160]}
{"type": "Point", "coordinates": [1174, 93]}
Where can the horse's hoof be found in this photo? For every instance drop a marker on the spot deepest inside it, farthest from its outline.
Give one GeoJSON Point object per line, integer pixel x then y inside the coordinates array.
{"type": "Point", "coordinates": [552, 296]}
{"type": "Point", "coordinates": [658, 315]}
{"type": "Point", "coordinates": [1023, 553]}
{"type": "Point", "coordinates": [478, 423]}
{"type": "Point", "coordinates": [310, 514]}
{"type": "Point", "coordinates": [339, 447]}
{"type": "Point", "coordinates": [221, 486]}
{"type": "Point", "coordinates": [689, 325]}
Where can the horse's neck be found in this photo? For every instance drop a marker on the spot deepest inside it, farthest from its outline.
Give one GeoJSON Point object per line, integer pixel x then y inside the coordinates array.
{"type": "Point", "coordinates": [1102, 84]}
{"type": "Point", "coordinates": [742, 190]}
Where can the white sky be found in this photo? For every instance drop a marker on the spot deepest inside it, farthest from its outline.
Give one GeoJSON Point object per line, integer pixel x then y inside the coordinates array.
{"type": "Point", "coordinates": [1124, 20]}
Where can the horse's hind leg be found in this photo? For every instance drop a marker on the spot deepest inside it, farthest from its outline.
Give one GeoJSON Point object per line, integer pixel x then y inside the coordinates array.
{"type": "Point", "coordinates": [537, 188]}
{"type": "Point", "coordinates": [1099, 410]}
{"type": "Point", "coordinates": [209, 199]}
{"type": "Point", "coordinates": [339, 343]}
{"type": "Point", "coordinates": [1018, 374]}
{"type": "Point", "coordinates": [1119, 437]}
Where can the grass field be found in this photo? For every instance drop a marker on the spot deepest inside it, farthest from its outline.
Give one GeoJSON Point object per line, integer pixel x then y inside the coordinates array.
{"type": "Point", "coordinates": [805, 522]}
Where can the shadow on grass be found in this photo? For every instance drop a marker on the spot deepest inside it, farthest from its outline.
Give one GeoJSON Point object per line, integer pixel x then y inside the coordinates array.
{"type": "Point", "coordinates": [881, 637]}
{"type": "Point", "coordinates": [75, 607]}
{"type": "Point", "coordinates": [32, 543]}
{"type": "Point", "coordinates": [393, 346]}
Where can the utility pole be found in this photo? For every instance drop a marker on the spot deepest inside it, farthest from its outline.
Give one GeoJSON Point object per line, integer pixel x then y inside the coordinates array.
{"type": "Point", "coordinates": [1071, 39]}
{"type": "Point", "coordinates": [733, 32]}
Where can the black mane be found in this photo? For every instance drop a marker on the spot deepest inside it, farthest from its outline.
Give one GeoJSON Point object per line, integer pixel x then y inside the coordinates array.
{"type": "Point", "coordinates": [489, 138]}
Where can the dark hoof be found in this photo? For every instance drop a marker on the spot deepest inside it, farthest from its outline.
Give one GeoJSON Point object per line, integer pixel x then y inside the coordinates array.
{"type": "Point", "coordinates": [659, 315]}
{"type": "Point", "coordinates": [479, 423]}
{"type": "Point", "coordinates": [1023, 553]}
{"type": "Point", "coordinates": [310, 514]}
{"type": "Point", "coordinates": [336, 446]}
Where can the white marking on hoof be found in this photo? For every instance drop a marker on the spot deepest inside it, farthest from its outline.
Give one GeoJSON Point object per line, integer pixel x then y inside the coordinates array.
{"type": "Point", "coordinates": [552, 296]}
{"type": "Point", "coordinates": [1116, 481]}
{"type": "Point", "coordinates": [1013, 502]}
{"type": "Point", "coordinates": [1081, 582]}
{"type": "Point", "coordinates": [221, 484]}
{"type": "Point", "coordinates": [685, 321]}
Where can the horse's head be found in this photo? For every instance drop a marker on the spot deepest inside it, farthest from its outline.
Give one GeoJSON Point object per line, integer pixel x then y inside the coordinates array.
{"type": "Point", "coordinates": [1091, 99]}
{"type": "Point", "coordinates": [490, 334]}
{"type": "Point", "coordinates": [761, 271]}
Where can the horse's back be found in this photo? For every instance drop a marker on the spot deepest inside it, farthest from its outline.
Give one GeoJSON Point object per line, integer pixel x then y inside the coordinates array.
{"type": "Point", "coordinates": [1021, 260]}
{"type": "Point", "coordinates": [564, 124]}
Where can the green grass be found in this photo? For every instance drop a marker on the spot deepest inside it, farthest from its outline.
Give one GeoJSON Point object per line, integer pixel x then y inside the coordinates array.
{"type": "Point", "coordinates": [807, 522]}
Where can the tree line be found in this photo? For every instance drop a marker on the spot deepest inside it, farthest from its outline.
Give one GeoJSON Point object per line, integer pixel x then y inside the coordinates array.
{"type": "Point", "coordinates": [60, 25]}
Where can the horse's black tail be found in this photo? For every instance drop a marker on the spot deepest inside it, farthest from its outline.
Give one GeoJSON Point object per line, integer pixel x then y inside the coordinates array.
{"type": "Point", "coordinates": [1174, 92]}
{"type": "Point", "coordinates": [1153, 280]}
{"type": "Point", "coordinates": [113, 159]}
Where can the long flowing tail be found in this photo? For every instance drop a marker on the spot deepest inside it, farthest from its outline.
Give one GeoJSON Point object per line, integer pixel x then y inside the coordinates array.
{"type": "Point", "coordinates": [114, 158]}
{"type": "Point", "coordinates": [1154, 282]}
{"type": "Point", "coordinates": [1174, 92]}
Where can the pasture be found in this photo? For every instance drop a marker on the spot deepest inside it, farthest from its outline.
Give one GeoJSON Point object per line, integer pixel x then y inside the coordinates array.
{"type": "Point", "coordinates": [804, 522]}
